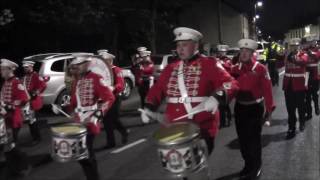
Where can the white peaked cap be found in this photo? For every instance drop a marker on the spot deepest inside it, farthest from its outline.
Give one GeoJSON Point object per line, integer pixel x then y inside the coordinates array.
{"type": "Point", "coordinates": [184, 34]}
{"type": "Point", "coordinates": [80, 59]}
{"type": "Point", "coordinates": [145, 53]}
{"type": "Point", "coordinates": [27, 63]}
{"type": "Point", "coordinates": [222, 47]}
{"type": "Point", "coordinates": [248, 44]}
{"type": "Point", "coordinates": [106, 55]}
{"type": "Point", "coordinates": [8, 63]}
{"type": "Point", "coordinates": [141, 49]}
{"type": "Point", "coordinates": [102, 51]}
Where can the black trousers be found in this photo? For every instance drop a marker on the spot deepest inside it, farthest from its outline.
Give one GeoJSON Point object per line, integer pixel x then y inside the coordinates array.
{"type": "Point", "coordinates": [35, 129]}
{"type": "Point", "coordinates": [273, 71]}
{"type": "Point", "coordinates": [89, 165]}
{"type": "Point", "coordinates": [248, 120]}
{"type": "Point", "coordinates": [112, 121]}
{"type": "Point", "coordinates": [295, 100]}
{"type": "Point", "coordinates": [225, 115]}
{"type": "Point", "coordinates": [143, 91]}
{"type": "Point", "coordinates": [312, 95]}
{"type": "Point", "coordinates": [208, 140]}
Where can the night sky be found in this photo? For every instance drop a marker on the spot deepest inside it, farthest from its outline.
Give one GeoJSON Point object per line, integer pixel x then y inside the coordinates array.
{"type": "Point", "coordinates": [278, 16]}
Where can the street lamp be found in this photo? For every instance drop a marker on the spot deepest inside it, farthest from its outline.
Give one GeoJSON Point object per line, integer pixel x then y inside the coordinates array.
{"type": "Point", "coordinates": [257, 16]}
{"type": "Point", "coordinates": [259, 3]}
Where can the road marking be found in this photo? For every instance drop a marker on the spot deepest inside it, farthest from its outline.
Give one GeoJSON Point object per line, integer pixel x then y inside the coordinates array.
{"type": "Point", "coordinates": [281, 73]}
{"type": "Point", "coordinates": [128, 146]}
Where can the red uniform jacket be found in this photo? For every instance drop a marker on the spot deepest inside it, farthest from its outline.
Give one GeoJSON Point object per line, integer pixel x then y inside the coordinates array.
{"type": "Point", "coordinates": [254, 83]}
{"type": "Point", "coordinates": [203, 76]}
{"type": "Point", "coordinates": [144, 69]}
{"type": "Point", "coordinates": [14, 94]}
{"type": "Point", "coordinates": [295, 72]}
{"type": "Point", "coordinates": [92, 90]}
{"type": "Point", "coordinates": [34, 85]}
{"type": "Point", "coordinates": [226, 63]}
{"type": "Point", "coordinates": [313, 66]}
{"type": "Point", "coordinates": [118, 80]}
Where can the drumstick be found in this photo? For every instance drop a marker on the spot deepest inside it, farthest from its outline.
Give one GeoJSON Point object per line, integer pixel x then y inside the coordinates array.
{"type": "Point", "coordinates": [189, 114]}
{"type": "Point", "coordinates": [60, 110]}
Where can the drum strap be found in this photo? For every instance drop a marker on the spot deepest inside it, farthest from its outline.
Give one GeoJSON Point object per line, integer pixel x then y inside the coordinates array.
{"type": "Point", "coordinates": [183, 90]}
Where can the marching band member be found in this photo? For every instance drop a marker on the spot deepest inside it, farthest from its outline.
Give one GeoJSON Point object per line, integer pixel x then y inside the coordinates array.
{"type": "Point", "coordinates": [254, 105]}
{"type": "Point", "coordinates": [224, 109]}
{"type": "Point", "coordinates": [35, 85]}
{"type": "Point", "coordinates": [111, 120]}
{"type": "Point", "coordinates": [88, 90]}
{"type": "Point", "coordinates": [190, 83]}
{"type": "Point", "coordinates": [143, 70]}
{"type": "Point", "coordinates": [295, 85]}
{"type": "Point", "coordinates": [13, 98]}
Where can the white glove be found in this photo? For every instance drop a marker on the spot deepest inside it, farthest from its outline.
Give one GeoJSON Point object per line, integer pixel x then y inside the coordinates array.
{"type": "Point", "coordinates": [144, 117]}
{"type": "Point", "coordinates": [211, 104]}
{"type": "Point", "coordinates": [147, 115]}
{"type": "Point", "coordinates": [3, 111]}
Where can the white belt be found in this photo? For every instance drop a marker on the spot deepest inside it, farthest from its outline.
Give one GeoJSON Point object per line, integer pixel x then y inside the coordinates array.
{"type": "Point", "coordinates": [87, 108]}
{"type": "Point", "coordinates": [295, 75]}
{"type": "Point", "coordinates": [251, 102]}
{"type": "Point", "coordinates": [312, 65]}
{"type": "Point", "coordinates": [186, 99]}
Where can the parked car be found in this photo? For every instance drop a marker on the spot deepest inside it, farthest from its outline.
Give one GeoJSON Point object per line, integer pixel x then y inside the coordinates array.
{"type": "Point", "coordinates": [52, 67]}
{"type": "Point", "coordinates": [160, 62]}
{"type": "Point", "coordinates": [261, 46]}
{"type": "Point", "coordinates": [129, 80]}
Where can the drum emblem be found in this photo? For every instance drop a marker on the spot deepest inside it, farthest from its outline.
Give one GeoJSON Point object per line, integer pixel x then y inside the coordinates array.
{"type": "Point", "coordinates": [65, 149]}
{"type": "Point", "coordinates": [176, 160]}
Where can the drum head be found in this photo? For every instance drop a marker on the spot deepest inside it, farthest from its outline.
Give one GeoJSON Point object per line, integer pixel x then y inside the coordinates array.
{"type": "Point", "coordinates": [98, 66]}
{"type": "Point", "coordinates": [69, 129]}
{"type": "Point", "coordinates": [177, 133]}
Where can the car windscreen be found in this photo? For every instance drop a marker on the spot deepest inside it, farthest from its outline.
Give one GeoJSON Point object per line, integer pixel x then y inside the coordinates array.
{"type": "Point", "coordinates": [259, 46]}
{"type": "Point", "coordinates": [37, 66]}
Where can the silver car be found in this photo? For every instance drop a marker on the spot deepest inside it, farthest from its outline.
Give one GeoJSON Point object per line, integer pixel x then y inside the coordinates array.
{"type": "Point", "coordinates": [52, 67]}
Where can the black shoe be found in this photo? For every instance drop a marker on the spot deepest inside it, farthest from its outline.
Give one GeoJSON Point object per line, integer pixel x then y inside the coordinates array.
{"type": "Point", "coordinates": [244, 172]}
{"type": "Point", "coordinates": [254, 175]}
{"type": "Point", "coordinates": [317, 111]}
{"type": "Point", "coordinates": [291, 134]}
{"type": "Point", "coordinates": [35, 142]}
{"type": "Point", "coordinates": [302, 126]}
{"type": "Point", "coordinates": [308, 116]}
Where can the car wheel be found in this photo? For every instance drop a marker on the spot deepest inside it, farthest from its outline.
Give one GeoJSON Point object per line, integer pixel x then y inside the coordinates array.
{"type": "Point", "coordinates": [63, 100]}
{"type": "Point", "coordinates": [127, 89]}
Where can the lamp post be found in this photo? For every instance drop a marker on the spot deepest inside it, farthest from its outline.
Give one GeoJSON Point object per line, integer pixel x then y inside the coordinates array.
{"type": "Point", "coordinates": [258, 4]}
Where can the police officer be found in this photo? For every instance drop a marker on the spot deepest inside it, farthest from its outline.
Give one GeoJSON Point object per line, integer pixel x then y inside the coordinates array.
{"type": "Point", "coordinates": [35, 85]}
{"type": "Point", "coordinates": [314, 79]}
{"type": "Point", "coordinates": [189, 83]}
{"type": "Point", "coordinates": [111, 120]}
{"type": "Point", "coordinates": [91, 98]}
{"type": "Point", "coordinates": [295, 86]}
{"type": "Point", "coordinates": [272, 54]}
{"type": "Point", "coordinates": [13, 97]}
{"type": "Point", "coordinates": [254, 105]}
{"type": "Point", "coordinates": [225, 111]}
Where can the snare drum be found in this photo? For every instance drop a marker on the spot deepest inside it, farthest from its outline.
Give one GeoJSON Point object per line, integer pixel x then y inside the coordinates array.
{"type": "Point", "coordinates": [3, 132]}
{"type": "Point", "coordinates": [69, 142]}
{"type": "Point", "coordinates": [28, 114]}
{"type": "Point", "coordinates": [180, 149]}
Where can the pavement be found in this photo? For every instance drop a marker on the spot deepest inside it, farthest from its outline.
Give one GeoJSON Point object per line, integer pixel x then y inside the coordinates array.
{"type": "Point", "coordinates": [295, 159]}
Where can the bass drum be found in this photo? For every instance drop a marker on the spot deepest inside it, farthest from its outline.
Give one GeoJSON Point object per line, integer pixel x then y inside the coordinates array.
{"type": "Point", "coordinates": [98, 66]}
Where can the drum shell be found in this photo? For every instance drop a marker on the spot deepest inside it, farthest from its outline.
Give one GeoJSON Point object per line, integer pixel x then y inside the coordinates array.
{"type": "Point", "coordinates": [3, 132]}
{"type": "Point", "coordinates": [77, 138]}
{"type": "Point", "coordinates": [191, 155]}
